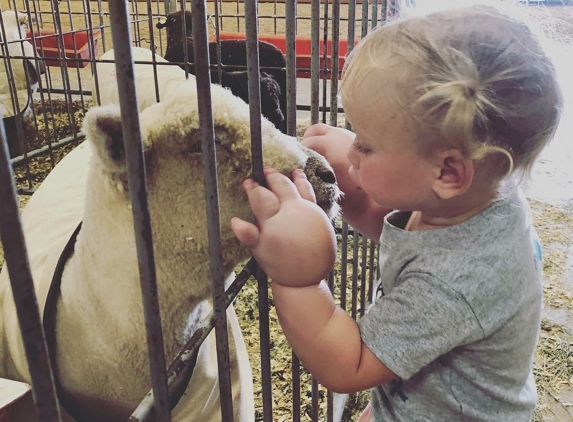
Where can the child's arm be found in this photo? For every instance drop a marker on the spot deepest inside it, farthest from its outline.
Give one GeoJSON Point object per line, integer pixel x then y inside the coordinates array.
{"type": "Point", "coordinates": [294, 244]}
{"type": "Point", "coordinates": [326, 339]}
{"type": "Point", "coordinates": [358, 209]}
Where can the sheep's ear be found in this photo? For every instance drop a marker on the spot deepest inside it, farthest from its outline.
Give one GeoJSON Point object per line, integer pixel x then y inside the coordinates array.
{"type": "Point", "coordinates": [102, 126]}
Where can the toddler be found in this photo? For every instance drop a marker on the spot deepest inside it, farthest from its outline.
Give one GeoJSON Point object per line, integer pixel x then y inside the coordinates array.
{"type": "Point", "coordinates": [449, 111]}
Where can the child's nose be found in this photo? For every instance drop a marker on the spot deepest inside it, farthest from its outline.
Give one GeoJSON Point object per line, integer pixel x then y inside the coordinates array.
{"type": "Point", "coordinates": [353, 156]}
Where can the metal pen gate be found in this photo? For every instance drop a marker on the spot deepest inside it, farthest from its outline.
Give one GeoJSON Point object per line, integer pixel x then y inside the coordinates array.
{"type": "Point", "coordinates": [69, 38]}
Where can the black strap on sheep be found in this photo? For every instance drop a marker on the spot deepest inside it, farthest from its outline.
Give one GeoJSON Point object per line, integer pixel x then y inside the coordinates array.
{"type": "Point", "coordinates": [181, 381]}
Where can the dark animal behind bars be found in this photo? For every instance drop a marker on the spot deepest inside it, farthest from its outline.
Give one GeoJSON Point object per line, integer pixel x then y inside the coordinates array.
{"type": "Point", "coordinates": [234, 59]}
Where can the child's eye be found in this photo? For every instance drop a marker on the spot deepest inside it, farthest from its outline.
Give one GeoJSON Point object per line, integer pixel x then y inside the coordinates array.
{"type": "Point", "coordinates": [361, 148]}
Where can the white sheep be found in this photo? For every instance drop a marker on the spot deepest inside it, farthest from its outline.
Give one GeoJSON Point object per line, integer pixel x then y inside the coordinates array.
{"type": "Point", "coordinates": [169, 78]}
{"type": "Point", "coordinates": [15, 23]}
{"type": "Point", "coordinates": [101, 356]}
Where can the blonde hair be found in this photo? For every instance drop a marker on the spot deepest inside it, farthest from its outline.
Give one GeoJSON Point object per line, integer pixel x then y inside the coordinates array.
{"type": "Point", "coordinates": [477, 77]}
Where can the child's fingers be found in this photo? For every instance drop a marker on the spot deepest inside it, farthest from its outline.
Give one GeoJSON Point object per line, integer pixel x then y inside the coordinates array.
{"type": "Point", "coordinates": [303, 185]}
{"type": "Point", "coordinates": [318, 129]}
{"type": "Point", "coordinates": [281, 185]}
{"type": "Point", "coordinates": [263, 202]}
{"type": "Point", "coordinates": [247, 233]}
{"type": "Point", "coordinates": [315, 143]}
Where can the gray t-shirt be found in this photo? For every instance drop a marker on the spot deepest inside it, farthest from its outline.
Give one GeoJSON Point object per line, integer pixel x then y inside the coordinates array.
{"type": "Point", "coordinates": [458, 318]}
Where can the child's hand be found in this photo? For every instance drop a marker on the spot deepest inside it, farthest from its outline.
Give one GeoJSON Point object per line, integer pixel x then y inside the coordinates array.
{"type": "Point", "coordinates": [358, 209]}
{"type": "Point", "coordinates": [293, 241]}
{"type": "Point", "coordinates": [333, 143]}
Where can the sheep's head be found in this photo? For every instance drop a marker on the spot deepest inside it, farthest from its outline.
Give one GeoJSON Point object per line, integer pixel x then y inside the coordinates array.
{"type": "Point", "coordinates": [173, 22]}
{"type": "Point", "coordinates": [172, 145]}
{"type": "Point", "coordinates": [15, 24]}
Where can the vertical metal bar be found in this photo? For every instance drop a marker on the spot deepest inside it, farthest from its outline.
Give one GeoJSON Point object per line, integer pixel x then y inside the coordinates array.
{"type": "Point", "coordinates": [202, 74]}
{"type": "Point", "coordinates": [343, 264]}
{"type": "Point", "coordinates": [329, 406]}
{"type": "Point", "coordinates": [265, 341]}
{"type": "Point", "coordinates": [384, 12]}
{"type": "Point", "coordinates": [170, 6]}
{"type": "Point", "coordinates": [295, 388]}
{"type": "Point", "coordinates": [33, 32]}
{"type": "Point", "coordinates": [290, 24]}
{"type": "Point", "coordinates": [36, 62]}
{"type": "Point", "coordinates": [365, 17]}
{"type": "Point", "coordinates": [75, 47]}
{"type": "Point", "coordinates": [64, 65]}
{"type": "Point", "coordinates": [325, 61]}
{"type": "Point", "coordinates": [334, 64]}
{"type": "Point", "coordinates": [153, 51]}
{"type": "Point", "coordinates": [275, 17]}
{"type": "Point", "coordinates": [184, 40]}
{"type": "Point", "coordinates": [220, 20]}
{"type": "Point", "coordinates": [137, 23]}
{"type": "Point", "coordinates": [314, 401]}
{"type": "Point", "coordinates": [138, 191]}
{"type": "Point", "coordinates": [314, 60]}
{"type": "Point", "coordinates": [329, 396]}
{"type": "Point", "coordinates": [218, 49]}
{"type": "Point", "coordinates": [364, 253]}
{"type": "Point", "coordinates": [355, 236]}
{"type": "Point", "coordinates": [351, 25]}
{"type": "Point", "coordinates": [253, 69]}
{"type": "Point", "coordinates": [22, 284]}
{"type": "Point", "coordinates": [290, 16]}
{"type": "Point", "coordinates": [102, 25]}
{"type": "Point", "coordinates": [40, 21]}
{"type": "Point", "coordinates": [160, 37]}
{"type": "Point", "coordinates": [91, 46]}
{"type": "Point", "coordinates": [372, 250]}
{"type": "Point", "coordinates": [237, 14]}
{"type": "Point", "coordinates": [374, 19]}
{"type": "Point", "coordinates": [51, 116]}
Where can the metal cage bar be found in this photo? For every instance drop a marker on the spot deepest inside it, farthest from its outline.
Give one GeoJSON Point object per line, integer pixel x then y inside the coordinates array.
{"type": "Point", "coordinates": [27, 309]}
{"type": "Point", "coordinates": [253, 66]}
{"type": "Point", "coordinates": [208, 152]}
{"type": "Point", "coordinates": [138, 193]}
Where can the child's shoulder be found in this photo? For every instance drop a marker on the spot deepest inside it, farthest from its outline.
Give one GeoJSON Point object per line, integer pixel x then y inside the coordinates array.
{"type": "Point", "coordinates": [499, 269]}
{"type": "Point", "coordinates": [492, 260]}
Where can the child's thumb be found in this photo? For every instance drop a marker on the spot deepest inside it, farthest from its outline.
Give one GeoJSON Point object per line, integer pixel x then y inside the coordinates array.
{"type": "Point", "coordinates": [247, 233]}
{"type": "Point", "coordinates": [317, 129]}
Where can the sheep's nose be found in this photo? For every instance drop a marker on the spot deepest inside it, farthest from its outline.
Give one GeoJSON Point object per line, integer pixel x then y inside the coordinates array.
{"type": "Point", "coordinates": [326, 176]}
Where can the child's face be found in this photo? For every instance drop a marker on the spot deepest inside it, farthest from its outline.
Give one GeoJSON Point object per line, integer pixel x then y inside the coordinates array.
{"type": "Point", "coordinates": [384, 157]}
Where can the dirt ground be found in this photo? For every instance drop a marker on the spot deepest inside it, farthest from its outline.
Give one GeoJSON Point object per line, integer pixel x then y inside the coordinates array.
{"type": "Point", "coordinates": [550, 193]}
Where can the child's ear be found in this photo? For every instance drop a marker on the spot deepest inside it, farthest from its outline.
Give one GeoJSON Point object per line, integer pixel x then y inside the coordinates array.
{"type": "Point", "coordinates": [456, 174]}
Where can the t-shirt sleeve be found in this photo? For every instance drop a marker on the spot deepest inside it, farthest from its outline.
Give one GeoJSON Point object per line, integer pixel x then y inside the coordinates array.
{"type": "Point", "coordinates": [418, 321]}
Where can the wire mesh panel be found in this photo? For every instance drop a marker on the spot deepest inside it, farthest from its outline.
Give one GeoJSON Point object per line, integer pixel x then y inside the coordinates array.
{"type": "Point", "coordinates": [64, 46]}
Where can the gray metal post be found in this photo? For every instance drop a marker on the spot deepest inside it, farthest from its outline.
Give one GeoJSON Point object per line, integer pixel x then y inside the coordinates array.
{"type": "Point", "coordinates": [202, 74]}
{"type": "Point", "coordinates": [27, 309]}
{"type": "Point", "coordinates": [137, 181]}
